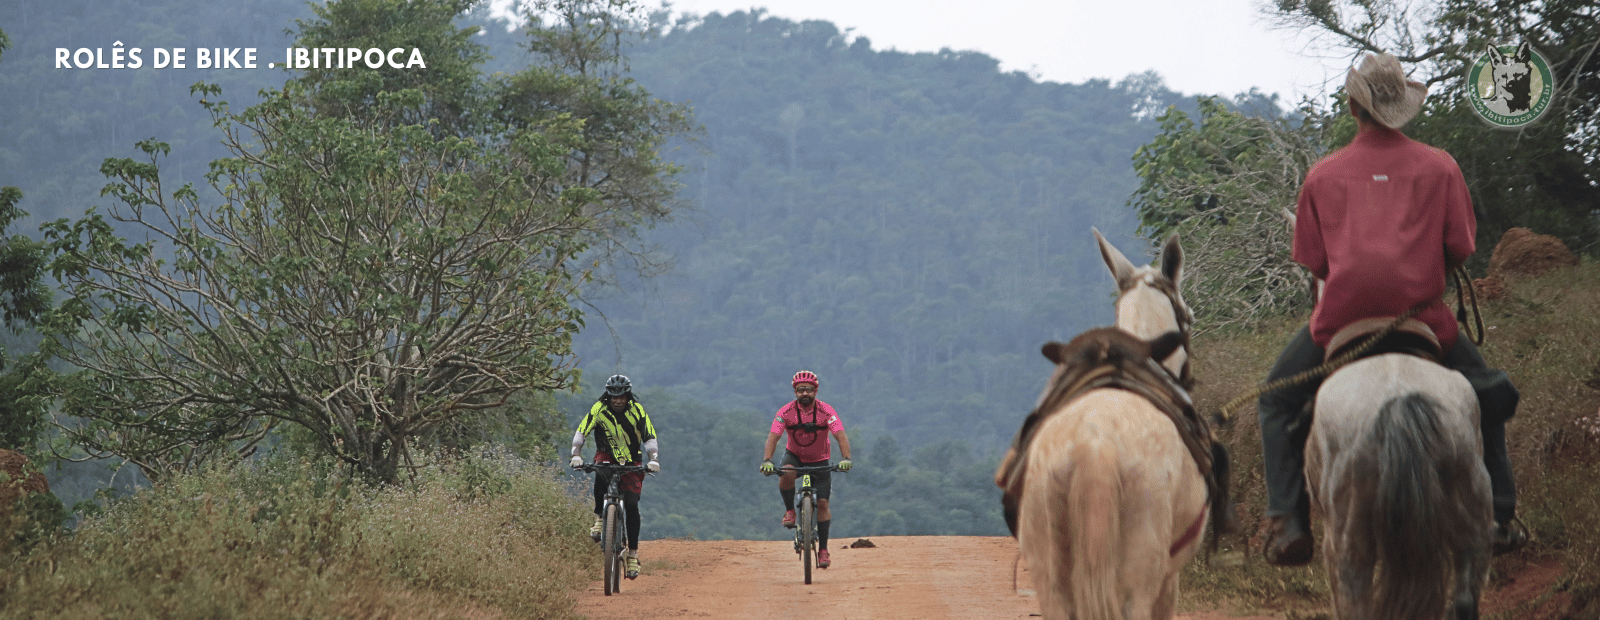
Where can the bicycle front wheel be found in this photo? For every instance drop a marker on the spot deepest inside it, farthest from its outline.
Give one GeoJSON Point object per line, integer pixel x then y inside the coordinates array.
{"type": "Point", "coordinates": [808, 532]}
{"type": "Point", "coordinates": [611, 546]}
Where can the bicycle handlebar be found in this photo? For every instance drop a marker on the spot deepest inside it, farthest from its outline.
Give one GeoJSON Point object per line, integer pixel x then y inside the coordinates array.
{"type": "Point", "coordinates": [809, 469]}
{"type": "Point", "coordinates": [613, 468]}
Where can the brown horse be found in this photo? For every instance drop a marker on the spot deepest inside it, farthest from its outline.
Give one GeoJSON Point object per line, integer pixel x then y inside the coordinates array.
{"type": "Point", "coordinates": [1104, 495]}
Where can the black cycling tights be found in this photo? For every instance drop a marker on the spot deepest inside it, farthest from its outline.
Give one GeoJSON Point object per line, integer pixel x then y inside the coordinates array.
{"type": "Point", "coordinates": [630, 508]}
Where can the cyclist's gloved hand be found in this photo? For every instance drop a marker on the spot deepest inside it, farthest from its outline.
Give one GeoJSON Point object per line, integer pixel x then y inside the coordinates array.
{"type": "Point", "coordinates": [577, 461]}
{"type": "Point", "coordinates": [767, 467]}
{"type": "Point", "coordinates": [844, 465]}
{"type": "Point", "coordinates": [653, 466]}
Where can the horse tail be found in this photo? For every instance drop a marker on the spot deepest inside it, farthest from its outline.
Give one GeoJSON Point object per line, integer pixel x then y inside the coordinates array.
{"type": "Point", "coordinates": [1414, 519]}
{"type": "Point", "coordinates": [1092, 529]}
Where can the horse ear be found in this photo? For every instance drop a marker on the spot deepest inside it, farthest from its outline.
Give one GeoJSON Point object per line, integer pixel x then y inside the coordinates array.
{"type": "Point", "coordinates": [1162, 347]}
{"type": "Point", "coordinates": [1052, 351]}
{"type": "Point", "coordinates": [1121, 268]}
{"type": "Point", "coordinates": [1172, 259]}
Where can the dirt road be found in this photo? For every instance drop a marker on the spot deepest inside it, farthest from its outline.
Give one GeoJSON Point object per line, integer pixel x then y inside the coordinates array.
{"type": "Point", "coordinates": [901, 578]}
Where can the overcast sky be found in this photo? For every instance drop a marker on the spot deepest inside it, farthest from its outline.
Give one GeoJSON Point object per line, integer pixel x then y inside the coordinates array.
{"type": "Point", "coordinates": [1198, 46]}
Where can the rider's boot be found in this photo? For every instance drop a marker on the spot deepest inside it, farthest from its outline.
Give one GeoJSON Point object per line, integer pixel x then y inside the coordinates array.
{"type": "Point", "coordinates": [632, 571]}
{"type": "Point", "coordinates": [1507, 536]}
{"type": "Point", "coordinates": [594, 530]}
{"type": "Point", "coordinates": [1288, 541]}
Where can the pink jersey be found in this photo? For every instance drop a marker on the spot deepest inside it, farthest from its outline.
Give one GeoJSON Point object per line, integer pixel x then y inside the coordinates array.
{"type": "Point", "coordinates": [809, 446]}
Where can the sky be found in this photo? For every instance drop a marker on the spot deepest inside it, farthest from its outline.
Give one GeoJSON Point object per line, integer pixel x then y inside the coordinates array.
{"type": "Point", "coordinates": [1197, 46]}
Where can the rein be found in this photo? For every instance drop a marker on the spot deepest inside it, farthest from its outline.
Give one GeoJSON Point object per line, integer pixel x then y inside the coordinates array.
{"type": "Point", "coordinates": [1464, 288]}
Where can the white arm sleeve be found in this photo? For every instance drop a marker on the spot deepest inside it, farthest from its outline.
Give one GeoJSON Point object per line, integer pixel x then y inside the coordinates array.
{"type": "Point", "coordinates": [651, 449]}
{"type": "Point", "coordinates": [577, 443]}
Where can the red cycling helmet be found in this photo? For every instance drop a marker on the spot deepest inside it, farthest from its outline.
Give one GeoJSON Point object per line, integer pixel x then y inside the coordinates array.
{"type": "Point", "coordinates": [805, 376]}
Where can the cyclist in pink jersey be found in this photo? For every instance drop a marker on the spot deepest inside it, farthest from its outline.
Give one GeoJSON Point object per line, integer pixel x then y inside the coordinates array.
{"type": "Point", "coordinates": [808, 422]}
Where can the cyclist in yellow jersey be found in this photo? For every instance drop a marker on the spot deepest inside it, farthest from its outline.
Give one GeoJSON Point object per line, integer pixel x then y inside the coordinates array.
{"type": "Point", "coordinates": [622, 433]}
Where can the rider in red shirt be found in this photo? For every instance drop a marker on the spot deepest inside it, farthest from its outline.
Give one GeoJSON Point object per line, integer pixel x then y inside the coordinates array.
{"type": "Point", "coordinates": [808, 422]}
{"type": "Point", "coordinates": [1380, 222]}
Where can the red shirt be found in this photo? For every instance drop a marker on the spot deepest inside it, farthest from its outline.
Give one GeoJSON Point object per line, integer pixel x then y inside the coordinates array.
{"type": "Point", "coordinates": [1379, 221]}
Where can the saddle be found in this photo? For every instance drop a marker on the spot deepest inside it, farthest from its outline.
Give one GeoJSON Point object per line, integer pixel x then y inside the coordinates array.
{"type": "Point", "coordinates": [1110, 357]}
{"type": "Point", "coordinates": [1412, 337]}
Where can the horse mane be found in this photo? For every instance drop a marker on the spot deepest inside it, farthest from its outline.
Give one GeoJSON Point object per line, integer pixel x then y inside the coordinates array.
{"type": "Point", "coordinates": [1108, 357]}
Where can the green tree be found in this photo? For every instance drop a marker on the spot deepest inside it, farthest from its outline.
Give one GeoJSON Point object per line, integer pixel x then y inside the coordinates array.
{"type": "Point", "coordinates": [377, 269]}
{"type": "Point", "coordinates": [581, 74]}
{"type": "Point", "coordinates": [1223, 185]}
{"type": "Point", "coordinates": [1543, 176]}
{"type": "Point", "coordinates": [449, 83]}
{"type": "Point", "coordinates": [23, 297]}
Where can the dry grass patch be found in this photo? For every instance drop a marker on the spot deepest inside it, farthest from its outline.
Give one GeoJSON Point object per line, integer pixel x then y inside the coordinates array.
{"type": "Point", "coordinates": [478, 537]}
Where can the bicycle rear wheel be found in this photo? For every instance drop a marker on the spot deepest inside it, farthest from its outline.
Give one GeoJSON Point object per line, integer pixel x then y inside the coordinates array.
{"type": "Point", "coordinates": [611, 546]}
{"type": "Point", "coordinates": [808, 532]}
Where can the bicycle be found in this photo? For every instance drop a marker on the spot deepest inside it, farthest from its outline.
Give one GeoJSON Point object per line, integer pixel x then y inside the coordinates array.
{"type": "Point", "coordinates": [805, 531]}
{"type": "Point", "coordinates": [613, 542]}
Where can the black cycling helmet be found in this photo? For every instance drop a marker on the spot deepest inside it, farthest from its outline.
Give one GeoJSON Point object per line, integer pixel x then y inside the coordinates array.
{"type": "Point", "coordinates": [619, 385]}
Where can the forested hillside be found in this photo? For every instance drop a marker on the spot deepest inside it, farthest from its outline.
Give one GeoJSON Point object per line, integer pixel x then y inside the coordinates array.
{"type": "Point", "coordinates": [909, 226]}
{"type": "Point", "coordinates": [912, 227]}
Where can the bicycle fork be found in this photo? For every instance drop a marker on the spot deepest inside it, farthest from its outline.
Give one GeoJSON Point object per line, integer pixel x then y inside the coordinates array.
{"type": "Point", "coordinates": [800, 541]}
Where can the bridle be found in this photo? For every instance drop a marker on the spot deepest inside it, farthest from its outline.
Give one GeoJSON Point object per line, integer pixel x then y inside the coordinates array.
{"type": "Point", "coordinates": [1180, 311]}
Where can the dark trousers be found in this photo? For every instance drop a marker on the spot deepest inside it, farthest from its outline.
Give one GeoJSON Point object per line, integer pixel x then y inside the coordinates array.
{"type": "Point", "coordinates": [1285, 417]}
{"type": "Point", "coordinates": [630, 507]}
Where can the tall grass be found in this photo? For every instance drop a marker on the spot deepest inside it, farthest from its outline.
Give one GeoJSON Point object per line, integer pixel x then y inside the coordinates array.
{"type": "Point", "coordinates": [1546, 334]}
{"type": "Point", "coordinates": [485, 536]}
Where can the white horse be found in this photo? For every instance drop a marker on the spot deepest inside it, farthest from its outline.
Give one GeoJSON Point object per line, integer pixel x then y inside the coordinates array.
{"type": "Point", "coordinates": [1112, 501]}
{"type": "Point", "coordinates": [1394, 464]}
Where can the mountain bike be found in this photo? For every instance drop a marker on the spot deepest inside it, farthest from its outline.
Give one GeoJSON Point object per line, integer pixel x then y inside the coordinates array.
{"type": "Point", "coordinates": [805, 531]}
{"type": "Point", "coordinates": [613, 534]}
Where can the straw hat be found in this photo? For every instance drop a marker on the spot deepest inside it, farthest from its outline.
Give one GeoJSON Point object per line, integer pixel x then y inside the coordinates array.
{"type": "Point", "coordinates": [1380, 87]}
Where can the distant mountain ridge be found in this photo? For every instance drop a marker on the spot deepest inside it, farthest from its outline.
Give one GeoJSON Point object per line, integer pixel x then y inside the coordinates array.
{"type": "Point", "coordinates": [910, 226]}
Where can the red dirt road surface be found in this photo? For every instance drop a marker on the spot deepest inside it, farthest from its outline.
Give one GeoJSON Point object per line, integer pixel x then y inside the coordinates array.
{"type": "Point", "coordinates": [901, 578]}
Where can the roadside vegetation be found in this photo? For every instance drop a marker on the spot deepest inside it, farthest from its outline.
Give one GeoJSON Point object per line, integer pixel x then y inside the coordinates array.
{"type": "Point", "coordinates": [470, 536]}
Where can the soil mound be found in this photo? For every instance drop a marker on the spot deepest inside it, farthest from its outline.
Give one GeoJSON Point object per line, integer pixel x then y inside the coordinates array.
{"type": "Point", "coordinates": [1522, 252]}
{"type": "Point", "coordinates": [17, 484]}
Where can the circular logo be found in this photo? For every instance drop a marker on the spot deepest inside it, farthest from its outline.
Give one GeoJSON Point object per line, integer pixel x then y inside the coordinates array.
{"type": "Point", "coordinates": [1510, 86]}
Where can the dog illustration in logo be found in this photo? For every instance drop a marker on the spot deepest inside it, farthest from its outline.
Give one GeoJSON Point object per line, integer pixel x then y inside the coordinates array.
{"type": "Point", "coordinates": [1512, 91]}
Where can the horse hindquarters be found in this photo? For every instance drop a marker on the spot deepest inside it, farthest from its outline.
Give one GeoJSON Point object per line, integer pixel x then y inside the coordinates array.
{"type": "Point", "coordinates": [1071, 534]}
{"type": "Point", "coordinates": [1111, 494]}
{"type": "Point", "coordinates": [1396, 466]}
